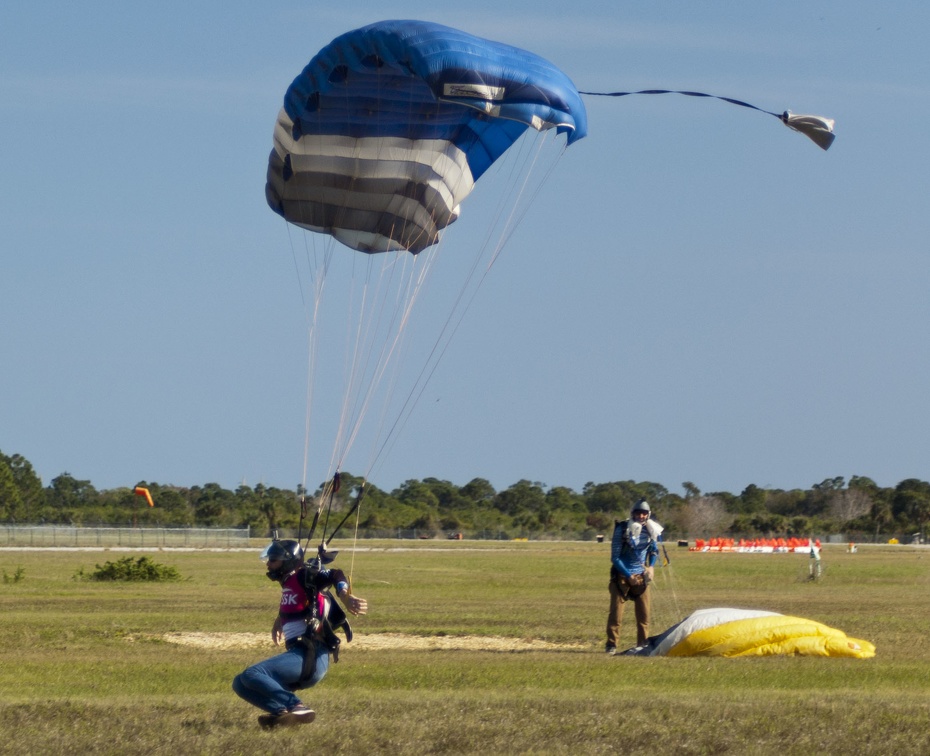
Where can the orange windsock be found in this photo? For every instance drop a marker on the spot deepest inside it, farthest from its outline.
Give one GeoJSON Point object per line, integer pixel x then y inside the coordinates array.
{"type": "Point", "coordinates": [140, 491]}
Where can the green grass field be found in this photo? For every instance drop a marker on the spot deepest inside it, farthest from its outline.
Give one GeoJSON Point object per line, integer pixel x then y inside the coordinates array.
{"type": "Point", "coordinates": [86, 667]}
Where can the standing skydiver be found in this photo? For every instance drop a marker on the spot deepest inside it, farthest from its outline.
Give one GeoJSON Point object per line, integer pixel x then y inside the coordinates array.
{"type": "Point", "coordinates": [633, 552]}
{"type": "Point", "coordinates": [307, 620]}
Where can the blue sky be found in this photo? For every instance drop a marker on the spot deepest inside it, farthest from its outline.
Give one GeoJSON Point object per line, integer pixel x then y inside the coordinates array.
{"type": "Point", "coordinates": [697, 293]}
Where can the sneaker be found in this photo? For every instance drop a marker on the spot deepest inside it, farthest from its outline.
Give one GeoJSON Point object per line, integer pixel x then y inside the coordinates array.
{"type": "Point", "coordinates": [296, 715]}
{"type": "Point", "coordinates": [301, 712]}
{"type": "Point", "coordinates": [270, 721]}
{"type": "Point", "coordinates": [611, 650]}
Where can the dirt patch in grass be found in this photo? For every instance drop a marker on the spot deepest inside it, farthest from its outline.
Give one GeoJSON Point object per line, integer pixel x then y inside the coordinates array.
{"type": "Point", "coordinates": [378, 642]}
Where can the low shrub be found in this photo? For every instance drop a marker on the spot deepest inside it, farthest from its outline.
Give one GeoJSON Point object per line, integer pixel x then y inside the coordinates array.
{"type": "Point", "coordinates": [142, 569]}
{"type": "Point", "coordinates": [16, 577]}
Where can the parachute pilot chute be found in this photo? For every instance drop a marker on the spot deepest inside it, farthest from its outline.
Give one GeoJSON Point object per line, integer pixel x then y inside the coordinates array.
{"type": "Point", "coordinates": [750, 632]}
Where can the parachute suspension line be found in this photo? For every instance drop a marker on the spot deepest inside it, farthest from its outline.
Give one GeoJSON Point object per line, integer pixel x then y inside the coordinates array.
{"type": "Point", "coordinates": [360, 340]}
{"type": "Point", "coordinates": [374, 318]}
{"type": "Point", "coordinates": [816, 128]}
{"type": "Point", "coordinates": [377, 322]}
{"type": "Point", "coordinates": [522, 169]}
{"type": "Point", "coordinates": [519, 173]}
{"type": "Point", "coordinates": [312, 343]}
{"type": "Point", "coordinates": [404, 275]}
{"type": "Point", "coordinates": [521, 206]}
{"type": "Point", "coordinates": [458, 311]}
{"type": "Point", "coordinates": [386, 316]}
{"type": "Point", "coordinates": [666, 609]}
{"type": "Point", "coordinates": [358, 517]}
{"type": "Point", "coordinates": [423, 265]}
{"type": "Point", "coordinates": [321, 501]}
{"type": "Point", "coordinates": [671, 582]}
{"type": "Point", "coordinates": [421, 269]}
{"type": "Point", "coordinates": [365, 324]}
{"type": "Point", "coordinates": [317, 258]}
{"type": "Point", "coordinates": [350, 368]}
{"type": "Point", "coordinates": [317, 265]}
{"type": "Point", "coordinates": [303, 298]}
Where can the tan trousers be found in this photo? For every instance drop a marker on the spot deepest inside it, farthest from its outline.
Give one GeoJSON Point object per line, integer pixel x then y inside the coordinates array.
{"type": "Point", "coordinates": [615, 616]}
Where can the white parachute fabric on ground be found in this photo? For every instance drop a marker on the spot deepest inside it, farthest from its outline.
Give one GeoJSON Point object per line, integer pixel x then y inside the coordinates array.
{"type": "Point", "coordinates": [731, 632]}
{"type": "Point", "coordinates": [699, 620]}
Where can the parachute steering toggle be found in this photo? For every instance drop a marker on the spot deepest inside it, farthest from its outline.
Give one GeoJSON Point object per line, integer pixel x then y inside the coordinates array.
{"type": "Point", "coordinates": [323, 555]}
{"type": "Point", "coordinates": [326, 500]}
{"type": "Point", "coordinates": [352, 510]}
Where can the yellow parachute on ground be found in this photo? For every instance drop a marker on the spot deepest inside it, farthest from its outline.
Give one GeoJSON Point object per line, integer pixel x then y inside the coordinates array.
{"type": "Point", "coordinates": [751, 632]}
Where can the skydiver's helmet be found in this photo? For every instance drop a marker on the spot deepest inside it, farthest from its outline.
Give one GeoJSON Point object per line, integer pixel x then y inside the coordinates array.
{"type": "Point", "coordinates": [641, 506]}
{"type": "Point", "coordinates": [290, 554]}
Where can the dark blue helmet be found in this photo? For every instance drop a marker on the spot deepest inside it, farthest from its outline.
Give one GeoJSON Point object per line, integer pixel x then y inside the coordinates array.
{"type": "Point", "coordinates": [290, 554]}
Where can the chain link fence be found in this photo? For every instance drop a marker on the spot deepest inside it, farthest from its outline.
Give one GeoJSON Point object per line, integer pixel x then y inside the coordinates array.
{"type": "Point", "coordinates": [66, 536]}
{"type": "Point", "coordinates": [405, 534]}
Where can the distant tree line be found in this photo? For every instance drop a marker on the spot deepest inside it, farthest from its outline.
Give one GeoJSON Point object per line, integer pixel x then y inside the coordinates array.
{"type": "Point", "coordinates": [433, 507]}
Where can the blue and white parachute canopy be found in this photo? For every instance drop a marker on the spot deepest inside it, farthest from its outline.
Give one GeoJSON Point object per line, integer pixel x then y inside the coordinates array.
{"type": "Point", "coordinates": [750, 632]}
{"type": "Point", "coordinates": [389, 126]}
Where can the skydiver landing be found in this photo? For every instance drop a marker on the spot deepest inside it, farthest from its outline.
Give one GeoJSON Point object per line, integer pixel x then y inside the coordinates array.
{"type": "Point", "coordinates": [307, 620]}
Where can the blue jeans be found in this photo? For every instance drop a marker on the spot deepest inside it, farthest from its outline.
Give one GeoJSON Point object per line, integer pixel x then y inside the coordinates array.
{"type": "Point", "coordinates": [268, 684]}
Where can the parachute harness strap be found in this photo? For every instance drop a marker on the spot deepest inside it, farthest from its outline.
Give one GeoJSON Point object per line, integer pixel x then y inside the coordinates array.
{"type": "Point", "coordinates": [818, 129]}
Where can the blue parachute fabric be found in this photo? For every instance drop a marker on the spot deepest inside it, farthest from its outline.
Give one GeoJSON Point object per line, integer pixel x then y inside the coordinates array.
{"type": "Point", "coordinates": [399, 78]}
{"type": "Point", "coordinates": [387, 129]}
